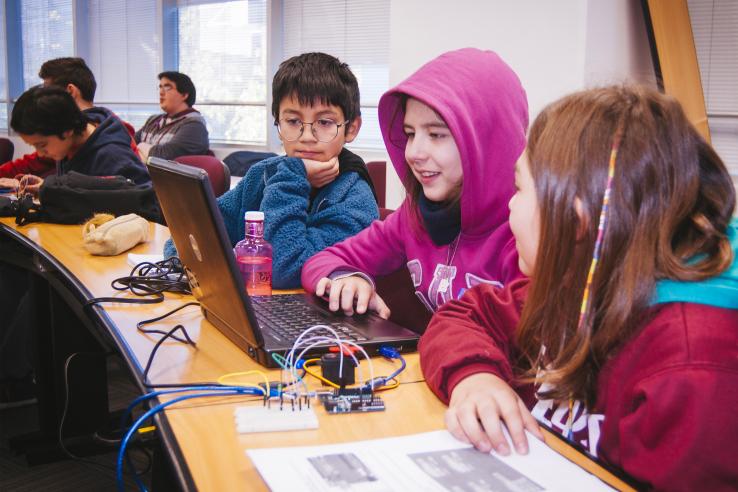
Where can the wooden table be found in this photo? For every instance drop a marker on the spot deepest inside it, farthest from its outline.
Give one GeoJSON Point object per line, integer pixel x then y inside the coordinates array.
{"type": "Point", "coordinates": [200, 435]}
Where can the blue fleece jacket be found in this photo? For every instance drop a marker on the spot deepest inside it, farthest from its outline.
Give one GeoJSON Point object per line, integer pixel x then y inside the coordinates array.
{"type": "Point", "coordinates": [107, 152]}
{"type": "Point", "coordinates": [720, 291]}
{"type": "Point", "coordinates": [296, 226]}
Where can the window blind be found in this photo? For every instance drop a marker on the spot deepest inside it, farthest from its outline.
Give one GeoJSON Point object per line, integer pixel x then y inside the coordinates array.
{"type": "Point", "coordinates": [47, 32]}
{"type": "Point", "coordinates": [715, 30]}
{"type": "Point", "coordinates": [125, 55]}
{"type": "Point", "coordinates": [222, 47]}
{"type": "Point", "coordinates": [3, 71]}
{"type": "Point", "coordinates": [356, 33]}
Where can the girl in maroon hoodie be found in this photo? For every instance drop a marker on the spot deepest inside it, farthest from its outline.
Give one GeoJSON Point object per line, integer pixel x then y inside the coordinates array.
{"type": "Point", "coordinates": [625, 340]}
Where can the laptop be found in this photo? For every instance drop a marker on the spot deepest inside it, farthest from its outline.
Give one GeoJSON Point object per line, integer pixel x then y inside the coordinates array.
{"type": "Point", "coordinates": [260, 325]}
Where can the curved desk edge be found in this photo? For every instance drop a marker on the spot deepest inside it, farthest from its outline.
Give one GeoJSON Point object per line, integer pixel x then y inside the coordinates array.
{"type": "Point", "coordinates": [170, 443]}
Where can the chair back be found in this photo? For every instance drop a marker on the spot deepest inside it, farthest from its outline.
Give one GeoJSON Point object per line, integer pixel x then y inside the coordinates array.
{"type": "Point", "coordinates": [6, 150]}
{"type": "Point", "coordinates": [378, 173]}
{"type": "Point", "coordinates": [218, 172]}
{"type": "Point", "coordinates": [240, 162]}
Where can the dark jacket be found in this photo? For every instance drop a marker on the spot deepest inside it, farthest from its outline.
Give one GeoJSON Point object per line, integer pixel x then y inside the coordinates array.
{"type": "Point", "coordinates": [42, 166]}
{"type": "Point", "coordinates": [107, 153]}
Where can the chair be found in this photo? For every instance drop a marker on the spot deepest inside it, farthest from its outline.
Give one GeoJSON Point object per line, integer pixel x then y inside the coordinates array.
{"type": "Point", "coordinates": [218, 172]}
{"type": "Point", "coordinates": [6, 150]}
{"type": "Point", "coordinates": [378, 173]}
{"type": "Point", "coordinates": [240, 162]}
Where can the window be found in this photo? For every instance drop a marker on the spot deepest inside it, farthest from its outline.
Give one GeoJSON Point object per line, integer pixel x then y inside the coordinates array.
{"type": "Point", "coordinates": [356, 33]}
{"type": "Point", "coordinates": [47, 32]}
{"type": "Point", "coordinates": [715, 29]}
{"type": "Point", "coordinates": [222, 47]}
{"type": "Point", "coordinates": [121, 44]}
{"type": "Point", "coordinates": [3, 78]}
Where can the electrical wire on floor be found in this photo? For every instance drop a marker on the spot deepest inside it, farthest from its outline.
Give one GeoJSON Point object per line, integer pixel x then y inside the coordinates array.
{"type": "Point", "coordinates": [65, 409]}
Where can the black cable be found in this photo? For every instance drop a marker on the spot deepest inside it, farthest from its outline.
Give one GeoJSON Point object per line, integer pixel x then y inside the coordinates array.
{"type": "Point", "coordinates": [166, 334]}
{"type": "Point", "coordinates": [83, 461]}
{"type": "Point", "coordinates": [155, 278]}
{"type": "Point", "coordinates": [148, 279]}
{"type": "Point", "coordinates": [413, 382]}
{"type": "Point", "coordinates": [169, 334]}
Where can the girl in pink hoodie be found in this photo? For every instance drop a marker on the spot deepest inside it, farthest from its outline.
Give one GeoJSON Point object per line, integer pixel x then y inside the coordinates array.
{"type": "Point", "coordinates": [453, 130]}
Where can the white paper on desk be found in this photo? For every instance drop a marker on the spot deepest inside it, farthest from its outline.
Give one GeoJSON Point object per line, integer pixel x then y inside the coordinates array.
{"type": "Point", "coordinates": [134, 259]}
{"type": "Point", "coordinates": [432, 461]}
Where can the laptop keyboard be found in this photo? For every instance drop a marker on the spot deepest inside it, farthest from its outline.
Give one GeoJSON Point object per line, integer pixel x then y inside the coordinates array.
{"type": "Point", "coordinates": [288, 316]}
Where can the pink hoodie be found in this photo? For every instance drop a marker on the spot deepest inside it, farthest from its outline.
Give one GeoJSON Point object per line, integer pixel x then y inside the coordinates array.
{"type": "Point", "coordinates": [482, 102]}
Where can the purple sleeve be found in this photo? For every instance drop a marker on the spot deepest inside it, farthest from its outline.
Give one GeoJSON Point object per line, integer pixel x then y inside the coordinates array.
{"type": "Point", "coordinates": [377, 250]}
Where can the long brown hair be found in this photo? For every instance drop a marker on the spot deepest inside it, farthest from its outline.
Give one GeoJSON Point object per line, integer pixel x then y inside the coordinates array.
{"type": "Point", "coordinates": [672, 199]}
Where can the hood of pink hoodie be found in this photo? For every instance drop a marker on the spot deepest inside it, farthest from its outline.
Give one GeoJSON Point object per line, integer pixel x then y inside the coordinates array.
{"type": "Point", "coordinates": [485, 107]}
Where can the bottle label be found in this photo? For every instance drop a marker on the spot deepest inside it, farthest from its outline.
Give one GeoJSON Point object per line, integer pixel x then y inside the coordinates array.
{"type": "Point", "coordinates": [256, 272]}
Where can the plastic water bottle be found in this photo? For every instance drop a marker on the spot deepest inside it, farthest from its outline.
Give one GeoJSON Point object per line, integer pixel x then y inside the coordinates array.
{"type": "Point", "coordinates": [254, 257]}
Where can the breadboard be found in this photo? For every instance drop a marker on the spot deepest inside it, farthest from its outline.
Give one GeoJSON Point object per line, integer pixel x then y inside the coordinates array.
{"type": "Point", "coordinates": [266, 419]}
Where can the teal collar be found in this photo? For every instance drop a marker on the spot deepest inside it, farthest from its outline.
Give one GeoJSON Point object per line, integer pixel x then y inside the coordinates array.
{"type": "Point", "coordinates": [720, 291]}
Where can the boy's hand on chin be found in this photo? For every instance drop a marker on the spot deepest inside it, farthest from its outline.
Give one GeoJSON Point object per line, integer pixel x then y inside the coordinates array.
{"type": "Point", "coordinates": [321, 173]}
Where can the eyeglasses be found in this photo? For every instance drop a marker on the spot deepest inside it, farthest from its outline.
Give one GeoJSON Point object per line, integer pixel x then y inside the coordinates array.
{"type": "Point", "coordinates": [324, 130]}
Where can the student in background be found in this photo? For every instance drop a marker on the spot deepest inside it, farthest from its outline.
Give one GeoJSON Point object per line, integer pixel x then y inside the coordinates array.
{"type": "Point", "coordinates": [181, 129]}
{"type": "Point", "coordinates": [627, 342]}
{"type": "Point", "coordinates": [453, 130]}
{"type": "Point", "coordinates": [319, 193]}
{"type": "Point", "coordinates": [48, 119]}
{"type": "Point", "coordinates": [73, 75]}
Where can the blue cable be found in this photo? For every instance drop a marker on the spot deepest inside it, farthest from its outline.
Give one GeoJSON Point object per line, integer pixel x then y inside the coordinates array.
{"type": "Point", "coordinates": [389, 353]}
{"type": "Point", "coordinates": [158, 408]}
{"type": "Point", "coordinates": [153, 394]}
{"type": "Point", "coordinates": [398, 371]}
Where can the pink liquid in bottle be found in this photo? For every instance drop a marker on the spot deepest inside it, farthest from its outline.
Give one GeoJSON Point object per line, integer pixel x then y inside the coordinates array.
{"type": "Point", "coordinates": [254, 257]}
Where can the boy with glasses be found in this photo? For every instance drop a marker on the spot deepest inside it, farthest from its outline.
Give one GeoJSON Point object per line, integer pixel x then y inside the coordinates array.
{"type": "Point", "coordinates": [319, 193]}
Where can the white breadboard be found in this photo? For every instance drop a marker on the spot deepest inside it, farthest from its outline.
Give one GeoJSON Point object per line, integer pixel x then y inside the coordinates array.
{"type": "Point", "coordinates": [266, 419]}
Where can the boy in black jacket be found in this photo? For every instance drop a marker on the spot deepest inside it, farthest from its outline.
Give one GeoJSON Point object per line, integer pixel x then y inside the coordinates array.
{"type": "Point", "coordinates": [48, 119]}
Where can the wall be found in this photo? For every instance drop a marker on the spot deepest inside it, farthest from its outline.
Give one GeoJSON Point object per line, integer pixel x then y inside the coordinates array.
{"type": "Point", "coordinates": [21, 147]}
{"type": "Point", "coordinates": [555, 47]}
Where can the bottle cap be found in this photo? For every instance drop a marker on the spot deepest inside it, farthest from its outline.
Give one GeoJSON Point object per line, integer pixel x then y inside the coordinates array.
{"type": "Point", "coordinates": [254, 216]}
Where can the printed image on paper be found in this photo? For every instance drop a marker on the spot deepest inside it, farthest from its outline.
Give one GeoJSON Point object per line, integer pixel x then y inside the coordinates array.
{"type": "Point", "coordinates": [470, 470]}
{"type": "Point", "coordinates": [342, 470]}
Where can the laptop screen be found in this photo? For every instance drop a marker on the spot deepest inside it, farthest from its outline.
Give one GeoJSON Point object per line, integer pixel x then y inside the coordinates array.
{"type": "Point", "coordinates": [191, 212]}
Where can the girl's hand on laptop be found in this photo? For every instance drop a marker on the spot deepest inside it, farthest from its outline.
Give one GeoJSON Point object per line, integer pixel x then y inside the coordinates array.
{"type": "Point", "coordinates": [344, 292]}
{"type": "Point", "coordinates": [321, 173]}
{"type": "Point", "coordinates": [479, 405]}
